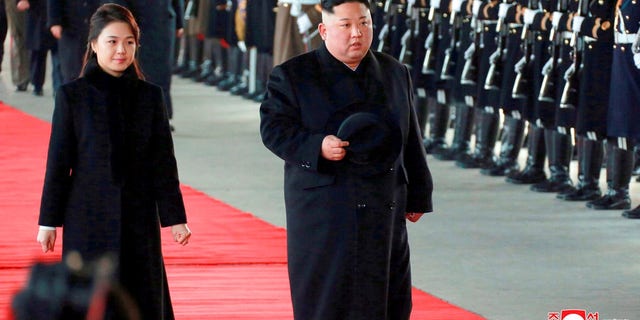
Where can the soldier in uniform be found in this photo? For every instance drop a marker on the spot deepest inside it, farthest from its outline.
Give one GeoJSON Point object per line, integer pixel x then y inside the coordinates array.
{"type": "Point", "coordinates": [632, 100]}
{"type": "Point", "coordinates": [19, 54]}
{"type": "Point", "coordinates": [296, 28]}
{"type": "Point", "coordinates": [502, 78]}
{"type": "Point", "coordinates": [558, 137]}
{"type": "Point", "coordinates": [486, 118]}
{"type": "Point", "coordinates": [623, 114]}
{"type": "Point", "coordinates": [594, 26]}
{"type": "Point", "coordinates": [462, 94]}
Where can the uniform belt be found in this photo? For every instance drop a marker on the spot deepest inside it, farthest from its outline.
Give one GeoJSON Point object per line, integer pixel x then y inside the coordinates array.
{"type": "Point", "coordinates": [622, 38]}
{"type": "Point", "coordinates": [588, 39]}
{"type": "Point", "coordinates": [489, 22]}
{"type": "Point", "coordinates": [566, 35]}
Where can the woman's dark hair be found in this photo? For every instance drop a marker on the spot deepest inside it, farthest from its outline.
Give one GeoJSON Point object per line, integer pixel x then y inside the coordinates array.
{"type": "Point", "coordinates": [327, 5]}
{"type": "Point", "coordinates": [106, 14]}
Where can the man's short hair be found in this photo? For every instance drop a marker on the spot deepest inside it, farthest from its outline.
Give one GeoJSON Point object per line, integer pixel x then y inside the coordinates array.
{"type": "Point", "coordinates": [327, 5]}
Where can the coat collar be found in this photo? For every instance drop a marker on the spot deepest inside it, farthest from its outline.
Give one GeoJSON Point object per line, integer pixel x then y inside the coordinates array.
{"type": "Point", "coordinates": [104, 81]}
{"type": "Point", "coordinates": [338, 77]}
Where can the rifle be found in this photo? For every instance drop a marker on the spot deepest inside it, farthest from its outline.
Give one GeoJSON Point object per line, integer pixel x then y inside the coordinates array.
{"type": "Point", "coordinates": [451, 53]}
{"type": "Point", "coordinates": [469, 74]}
{"type": "Point", "coordinates": [405, 52]}
{"type": "Point", "coordinates": [522, 84]}
{"type": "Point", "coordinates": [548, 87]}
{"type": "Point", "coordinates": [429, 63]}
{"type": "Point", "coordinates": [384, 32]}
{"type": "Point", "coordinates": [569, 97]}
{"type": "Point", "coordinates": [494, 74]}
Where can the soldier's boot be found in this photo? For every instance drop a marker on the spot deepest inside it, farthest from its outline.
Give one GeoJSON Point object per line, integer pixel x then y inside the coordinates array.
{"type": "Point", "coordinates": [560, 155]}
{"type": "Point", "coordinates": [533, 171]}
{"type": "Point", "coordinates": [206, 69]}
{"type": "Point", "coordinates": [463, 126]}
{"type": "Point", "coordinates": [422, 111]}
{"type": "Point", "coordinates": [230, 80]}
{"type": "Point", "coordinates": [191, 70]}
{"type": "Point", "coordinates": [619, 167]}
{"type": "Point", "coordinates": [636, 160]}
{"type": "Point", "coordinates": [512, 138]}
{"type": "Point", "coordinates": [438, 121]}
{"type": "Point", "coordinates": [590, 156]}
{"type": "Point", "coordinates": [487, 126]}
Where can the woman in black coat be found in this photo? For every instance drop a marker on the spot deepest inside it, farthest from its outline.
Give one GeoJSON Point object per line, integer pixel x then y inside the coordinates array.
{"type": "Point", "coordinates": [111, 179]}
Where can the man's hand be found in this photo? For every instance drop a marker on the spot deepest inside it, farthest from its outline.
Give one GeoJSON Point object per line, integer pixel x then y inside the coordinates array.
{"type": "Point", "coordinates": [56, 31]}
{"type": "Point", "coordinates": [22, 5]}
{"type": "Point", "coordinates": [333, 148]}
{"type": "Point", "coordinates": [47, 239]}
{"type": "Point", "coordinates": [413, 216]}
{"type": "Point", "coordinates": [181, 233]}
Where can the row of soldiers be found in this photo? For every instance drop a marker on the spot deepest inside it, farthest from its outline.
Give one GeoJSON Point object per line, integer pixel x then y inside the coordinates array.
{"type": "Point", "coordinates": [553, 68]}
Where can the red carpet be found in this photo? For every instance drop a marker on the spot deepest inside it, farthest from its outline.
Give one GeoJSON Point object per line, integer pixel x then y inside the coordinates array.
{"type": "Point", "coordinates": [234, 268]}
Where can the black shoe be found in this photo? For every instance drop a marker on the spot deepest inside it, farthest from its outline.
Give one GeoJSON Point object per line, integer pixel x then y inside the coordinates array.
{"type": "Point", "coordinates": [22, 87]}
{"type": "Point", "coordinates": [38, 92]}
{"type": "Point", "coordinates": [553, 185]}
{"type": "Point", "coordinates": [611, 201]}
{"type": "Point", "coordinates": [499, 169]}
{"type": "Point", "coordinates": [632, 214]}
{"type": "Point", "coordinates": [584, 193]}
{"type": "Point", "coordinates": [529, 175]}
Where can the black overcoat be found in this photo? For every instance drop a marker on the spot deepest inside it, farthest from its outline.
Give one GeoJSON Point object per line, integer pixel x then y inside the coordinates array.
{"type": "Point", "coordinates": [348, 253]}
{"type": "Point", "coordinates": [38, 35]}
{"type": "Point", "coordinates": [111, 179]}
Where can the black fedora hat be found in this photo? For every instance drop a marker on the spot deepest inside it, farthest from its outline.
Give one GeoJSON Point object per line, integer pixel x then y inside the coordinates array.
{"type": "Point", "coordinates": [375, 142]}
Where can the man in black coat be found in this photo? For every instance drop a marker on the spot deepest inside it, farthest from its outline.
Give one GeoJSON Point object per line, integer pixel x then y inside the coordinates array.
{"type": "Point", "coordinates": [342, 119]}
{"type": "Point", "coordinates": [68, 21]}
{"type": "Point", "coordinates": [160, 22]}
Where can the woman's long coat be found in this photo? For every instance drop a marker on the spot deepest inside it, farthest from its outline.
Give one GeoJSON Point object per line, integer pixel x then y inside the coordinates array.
{"type": "Point", "coordinates": [111, 180]}
{"type": "Point", "coordinates": [348, 253]}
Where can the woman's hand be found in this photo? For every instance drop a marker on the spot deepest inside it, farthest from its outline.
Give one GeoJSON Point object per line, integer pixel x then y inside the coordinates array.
{"type": "Point", "coordinates": [181, 233]}
{"type": "Point", "coordinates": [47, 239]}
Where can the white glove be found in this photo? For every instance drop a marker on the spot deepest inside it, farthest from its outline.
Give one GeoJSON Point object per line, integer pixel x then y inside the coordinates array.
{"type": "Point", "coordinates": [547, 67]}
{"type": "Point", "coordinates": [456, 5]}
{"type": "Point", "coordinates": [493, 58]}
{"type": "Point", "coordinates": [577, 23]}
{"type": "Point", "coordinates": [434, 4]}
{"type": "Point", "coordinates": [410, 3]}
{"type": "Point", "coordinates": [429, 42]}
{"type": "Point", "coordinates": [503, 9]}
{"type": "Point", "coordinates": [636, 59]}
{"type": "Point", "coordinates": [476, 7]}
{"type": "Point", "coordinates": [242, 46]}
{"type": "Point", "coordinates": [635, 46]}
{"type": "Point", "coordinates": [555, 19]}
{"type": "Point", "coordinates": [570, 71]}
{"type": "Point", "coordinates": [470, 51]}
{"type": "Point", "coordinates": [304, 23]}
{"type": "Point", "coordinates": [296, 9]}
{"type": "Point", "coordinates": [529, 16]}
{"type": "Point", "coordinates": [519, 67]}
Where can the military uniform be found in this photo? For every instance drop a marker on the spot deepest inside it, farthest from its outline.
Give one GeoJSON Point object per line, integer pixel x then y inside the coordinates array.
{"type": "Point", "coordinates": [288, 41]}
{"type": "Point", "coordinates": [596, 49]}
{"type": "Point", "coordinates": [623, 113]}
{"type": "Point", "coordinates": [486, 117]}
